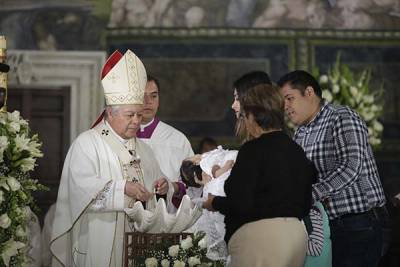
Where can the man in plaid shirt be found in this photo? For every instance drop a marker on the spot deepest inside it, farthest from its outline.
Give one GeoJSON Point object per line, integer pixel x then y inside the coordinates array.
{"type": "Point", "coordinates": [335, 138]}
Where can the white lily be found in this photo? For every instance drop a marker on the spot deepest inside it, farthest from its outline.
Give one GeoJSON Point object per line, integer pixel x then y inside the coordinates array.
{"type": "Point", "coordinates": [3, 118]}
{"type": "Point", "coordinates": [13, 183]}
{"type": "Point", "coordinates": [33, 148]}
{"type": "Point", "coordinates": [377, 126]}
{"type": "Point", "coordinates": [203, 242]}
{"type": "Point", "coordinates": [178, 263]}
{"type": "Point", "coordinates": [193, 261]}
{"type": "Point", "coordinates": [21, 143]}
{"type": "Point", "coordinates": [10, 249]}
{"type": "Point", "coordinates": [3, 142]}
{"type": "Point", "coordinates": [187, 243]}
{"type": "Point", "coordinates": [335, 88]}
{"type": "Point", "coordinates": [374, 108]}
{"type": "Point", "coordinates": [353, 91]}
{"type": "Point", "coordinates": [173, 250]}
{"type": "Point", "coordinates": [27, 164]}
{"type": "Point", "coordinates": [5, 221]}
{"type": "Point", "coordinates": [14, 116]}
{"type": "Point", "coordinates": [368, 99]}
{"type": "Point", "coordinates": [368, 116]}
{"type": "Point", "coordinates": [165, 263]}
{"type": "Point", "coordinates": [370, 131]}
{"type": "Point", "coordinates": [327, 95]}
{"type": "Point", "coordinates": [323, 79]}
{"type": "Point", "coordinates": [374, 141]}
{"type": "Point", "coordinates": [20, 231]}
{"type": "Point", "coordinates": [3, 183]}
{"type": "Point", "coordinates": [151, 262]}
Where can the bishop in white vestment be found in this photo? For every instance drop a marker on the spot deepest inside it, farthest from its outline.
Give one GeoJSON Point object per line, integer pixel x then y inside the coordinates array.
{"type": "Point", "coordinates": [106, 170]}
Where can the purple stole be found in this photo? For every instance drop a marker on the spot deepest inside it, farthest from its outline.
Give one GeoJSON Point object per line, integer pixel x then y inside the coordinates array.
{"type": "Point", "coordinates": [148, 130]}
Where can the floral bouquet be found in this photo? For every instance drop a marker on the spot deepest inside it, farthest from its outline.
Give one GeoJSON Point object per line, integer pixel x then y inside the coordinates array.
{"type": "Point", "coordinates": [341, 86]}
{"type": "Point", "coordinates": [190, 252]}
{"type": "Point", "coordinates": [18, 153]}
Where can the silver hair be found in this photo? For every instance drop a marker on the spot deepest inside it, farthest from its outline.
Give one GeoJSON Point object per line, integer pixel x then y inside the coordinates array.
{"type": "Point", "coordinates": [114, 109]}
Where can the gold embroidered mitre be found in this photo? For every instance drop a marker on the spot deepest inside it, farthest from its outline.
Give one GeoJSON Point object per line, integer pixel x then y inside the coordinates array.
{"type": "Point", "coordinates": [123, 78]}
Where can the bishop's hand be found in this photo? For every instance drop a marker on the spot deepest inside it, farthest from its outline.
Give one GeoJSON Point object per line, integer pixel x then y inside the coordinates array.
{"type": "Point", "coordinates": [161, 186]}
{"type": "Point", "coordinates": [137, 191]}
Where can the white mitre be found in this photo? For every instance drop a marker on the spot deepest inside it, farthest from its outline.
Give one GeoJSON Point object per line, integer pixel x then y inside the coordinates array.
{"type": "Point", "coordinates": [124, 79]}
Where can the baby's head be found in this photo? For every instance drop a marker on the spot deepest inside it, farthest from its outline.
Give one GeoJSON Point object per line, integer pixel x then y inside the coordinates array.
{"type": "Point", "coordinates": [188, 173]}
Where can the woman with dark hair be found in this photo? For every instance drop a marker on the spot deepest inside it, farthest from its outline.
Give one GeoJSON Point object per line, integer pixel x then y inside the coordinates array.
{"type": "Point", "coordinates": [268, 192]}
{"type": "Point", "coordinates": [241, 86]}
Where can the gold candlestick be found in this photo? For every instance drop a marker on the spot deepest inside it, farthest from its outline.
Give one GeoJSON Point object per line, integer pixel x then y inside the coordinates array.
{"type": "Point", "coordinates": [3, 74]}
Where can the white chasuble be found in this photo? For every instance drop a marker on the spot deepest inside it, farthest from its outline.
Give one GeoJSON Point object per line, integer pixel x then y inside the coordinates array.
{"type": "Point", "coordinates": [82, 235]}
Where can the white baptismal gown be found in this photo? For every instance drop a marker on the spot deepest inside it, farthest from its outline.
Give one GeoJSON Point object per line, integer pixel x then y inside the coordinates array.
{"type": "Point", "coordinates": [212, 223]}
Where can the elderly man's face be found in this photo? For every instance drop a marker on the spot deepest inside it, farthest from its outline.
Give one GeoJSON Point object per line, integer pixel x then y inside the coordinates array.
{"type": "Point", "coordinates": [151, 101]}
{"type": "Point", "coordinates": [125, 120]}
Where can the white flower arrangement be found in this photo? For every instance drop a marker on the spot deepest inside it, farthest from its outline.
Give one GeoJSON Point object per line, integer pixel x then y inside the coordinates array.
{"type": "Point", "coordinates": [189, 252]}
{"type": "Point", "coordinates": [342, 87]}
{"type": "Point", "coordinates": [18, 153]}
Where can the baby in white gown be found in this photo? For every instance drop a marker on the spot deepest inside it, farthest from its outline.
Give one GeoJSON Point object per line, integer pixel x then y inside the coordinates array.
{"type": "Point", "coordinates": [215, 168]}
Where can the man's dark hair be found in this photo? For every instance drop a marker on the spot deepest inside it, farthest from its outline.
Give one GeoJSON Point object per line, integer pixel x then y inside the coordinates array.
{"type": "Point", "coordinates": [155, 80]}
{"type": "Point", "coordinates": [250, 80]}
{"type": "Point", "coordinates": [188, 170]}
{"type": "Point", "coordinates": [300, 80]}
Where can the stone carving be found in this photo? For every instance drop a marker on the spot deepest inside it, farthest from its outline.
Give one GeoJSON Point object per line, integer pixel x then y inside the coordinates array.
{"type": "Point", "coordinates": [194, 16]}
{"type": "Point", "coordinates": [50, 25]}
{"type": "Point", "coordinates": [318, 14]}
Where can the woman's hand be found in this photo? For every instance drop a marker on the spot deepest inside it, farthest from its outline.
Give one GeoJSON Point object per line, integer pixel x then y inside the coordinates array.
{"type": "Point", "coordinates": [208, 203]}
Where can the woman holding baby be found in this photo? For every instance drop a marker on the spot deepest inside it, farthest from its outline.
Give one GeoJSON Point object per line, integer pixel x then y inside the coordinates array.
{"type": "Point", "coordinates": [268, 191]}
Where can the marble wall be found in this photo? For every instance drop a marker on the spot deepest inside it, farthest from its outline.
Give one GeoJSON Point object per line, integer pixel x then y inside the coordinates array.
{"type": "Point", "coordinates": [51, 25]}
{"type": "Point", "coordinates": [197, 66]}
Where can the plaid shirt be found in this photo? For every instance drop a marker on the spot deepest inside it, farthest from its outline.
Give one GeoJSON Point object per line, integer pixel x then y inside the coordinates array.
{"type": "Point", "coordinates": [336, 140]}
